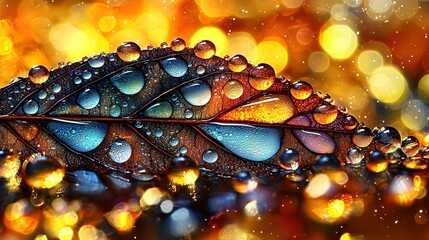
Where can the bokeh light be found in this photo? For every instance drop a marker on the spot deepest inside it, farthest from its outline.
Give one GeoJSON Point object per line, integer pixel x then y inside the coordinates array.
{"type": "Point", "coordinates": [339, 41]}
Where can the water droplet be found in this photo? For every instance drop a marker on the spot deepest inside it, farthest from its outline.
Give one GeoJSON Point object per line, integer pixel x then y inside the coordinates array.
{"type": "Point", "coordinates": [387, 140]}
{"type": "Point", "coordinates": [173, 141]}
{"type": "Point", "coordinates": [183, 171]}
{"type": "Point", "coordinates": [30, 107]}
{"type": "Point", "coordinates": [88, 135]}
{"type": "Point", "coordinates": [130, 81]}
{"type": "Point", "coordinates": [142, 174]}
{"type": "Point", "coordinates": [425, 152]}
{"type": "Point", "coordinates": [201, 69]}
{"type": "Point", "coordinates": [197, 93]}
{"type": "Point", "coordinates": [410, 146]}
{"type": "Point", "coordinates": [159, 110]}
{"type": "Point", "coordinates": [244, 182]}
{"type": "Point", "coordinates": [262, 76]}
{"type": "Point", "coordinates": [350, 122]}
{"type": "Point", "coordinates": [270, 108]}
{"type": "Point", "coordinates": [249, 142]}
{"type": "Point", "coordinates": [362, 137]}
{"type": "Point", "coordinates": [77, 80]}
{"type": "Point", "coordinates": [183, 150]}
{"type": "Point", "coordinates": [210, 156]}
{"type": "Point", "coordinates": [115, 110]}
{"type": "Point", "coordinates": [148, 132]}
{"type": "Point", "coordinates": [56, 88]}
{"type": "Point", "coordinates": [377, 162]}
{"type": "Point", "coordinates": [96, 62]}
{"type": "Point", "coordinates": [188, 113]}
{"type": "Point", "coordinates": [174, 66]}
{"type": "Point", "coordinates": [301, 90]}
{"type": "Point", "coordinates": [73, 131]}
{"type": "Point", "coordinates": [233, 89]}
{"type": "Point", "coordinates": [88, 98]}
{"type": "Point", "coordinates": [163, 45]}
{"type": "Point", "coordinates": [42, 94]}
{"type": "Point", "coordinates": [325, 113]}
{"type": "Point", "coordinates": [86, 75]}
{"type": "Point", "coordinates": [237, 63]}
{"type": "Point", "coordinates": [205, 49]}
{"type": "Point", "coordinates": [354, 155]}
{"type": "Point", "coordinates": [327, 162]}
{"type": "Point", "coordinates": [159, 132]}
{"type": "Point", "coordinates": [42, 172]}
{"type": "Point", "coordinates": [317, 142]}
{"type": "Point", "coordinates": [178, 44]}
{"type": "Point", "coordinates": [120, 151]}
{"type": "Point", "coordinates": [289, 160]}
{"type": "Point", "coordinates": [38, 74]}
{"type": "Point", "coordinates": [86, 182]}
{"type": "Point", "coordinates": [300, 120]}
{"type": "Point", "coordinates": [415, 163]}
{"type": "Point", "coordinates": [128, 51]}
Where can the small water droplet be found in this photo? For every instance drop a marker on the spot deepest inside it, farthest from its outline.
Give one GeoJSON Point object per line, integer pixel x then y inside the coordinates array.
{"type": "Point", "coordinates": [163, 45]}
{"type": "Point", "coordinates": [129, 51]}
{"type": "Point", "coordinates": [178, 44]}
{"type": "Point", "coordinates": [56, 88]}
{"type": "Point", "coordinates": [197, 93]}
{"type": "Point", "coordinates": [96, 62]}
{"type": "Point", "coordinates": [289, 160]}
{"type": "Point", "coordinates": [130, 81]}
{"type": "Point", "coordinates": [350, 122]}
{"type": "Point", "coordinates": [188, 113]}
{"type": "Point", "coordinates": [115, 110]}
{"type": "Point", "coordinates": [183, 150]}
{"type": "Point", "coordinates": [86, 74]}
{"type": "Point", "coordinates": [31, 107]}
{"type": "Point", "coordinates": [233, 89]}
{"type": "Point", "coordinates": [183, 171]}
{"type": "Point", "coordinates": [138, 124]}
{"type": "Point", "coordinates": [38, 74]}
{"type": "Point", "coordinates": [377, 162]}
{"type": "Point", "coordinates": [88, 98]}
{"type": "Point", "coordinates": [237, 63]}
{"type": "Point", "coordinates": [301, 90]}
{"type": "Point", "coordinates": [201, 69]}
{"type": "Point", "coordinates": [387, 140]}
{"type": "Point", "coordinates": [173, 141]}
{"type": "Point", "coordinates": [120, 151]}
{"type": "Point", "coordinates": [262, 76]}
{"type": "Point", "coordinates": [42, 94]}
{"type": "Point", "coordinates": [244, 182]}
{"type": "Point", "coordinates": [205, 49]}
{"type": "Point", "coordinates": [174, 66]}
{"type": "Point", "coordinates": [354, 155]}
{"type": "Point", "coordinates": [159, 132]}
{"type": "Point", "coordinates": [210, 156]}
{"type": "Point", "coordinates": [73, 131]}
{"type": "Point", "coordinates": [86, 182]}
{"type": "Point", "coordinates": [42, 172]}
{"type": "Point", "coordinates": [410, 146]}
{"type": "Point", "coordinates": [77, 80]}
{"type": "Point", "coordinates": [325, 113]}
{"type": "Point", "coordinates": [159, 110]}
{"type": "Point", "coordinates": [148, 132]}
{"type": "Point", "coordinates": [362, 137]}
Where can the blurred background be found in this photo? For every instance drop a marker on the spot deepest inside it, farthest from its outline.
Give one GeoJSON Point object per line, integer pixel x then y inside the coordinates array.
{"type": "Point", "coordinates": [371, 56]}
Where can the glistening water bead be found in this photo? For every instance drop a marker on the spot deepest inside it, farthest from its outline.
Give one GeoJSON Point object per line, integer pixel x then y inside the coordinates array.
{"type": "Point", "coordinates": [210, 156]}
{"type": "Point", "coordinates": [129, 51]}
{"type": "Point", "coordinates": [301, 90]}
{"type": "Point", "coordinates": [88, 98]}
{"type": "Point", "coordinates": [237, 63]}
{"type": "Point", "coordinates": [120, 151]}
{"type": "Point", "coordinates": [30, 107]}
{"type": "Point", "coordinates": [178, 45]}
{"type": "Point", "coordinates": [205, 49]}
{"type": "Point", "coordinates": [42, 171]}
{"type": "Point", "coordinates": [233, 89]}
{"type": "Point", "coordinates": [129, 81]}
{"type": "Point", "coordinates": [197, 93]}
{"type": "Point", "coordinates": [262, 76]}
{"type": "Point", "coordinates": [38, 74]}
{"type": "Point", "coordinates": [174, 66]}
{"type": "Point", "coordinates": [289, 160]}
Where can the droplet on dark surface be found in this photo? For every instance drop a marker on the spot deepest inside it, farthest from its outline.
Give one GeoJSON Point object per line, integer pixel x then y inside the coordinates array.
{"type": "Point", "coordinates": [410, 146]}
{"type": "Point", "coordinates": [262, 76]}
{"type": "Point", "coordinates": [237, 63]}
{"type": "Point", "coordinates": [130, 81]}
{"type": "Point", "coordinates": [129, 51]}
{"type": "Point", "coordinates": [301, 90]}
{"type": "Point", "coordinates": [42, 172]}
{"type": "Point", "coordinates": [88, 98]}
{"type": "Point", "coordinates": [120, 151]}
{"type": "Point", "coordinates": [325, 114]}
{"type": "Point", "coordinates": [205, 49]}
{"type": "Point", "coordinates": [289, 160]}
{"type": "Point", "coordinates": [388, 140]}
{"type": "Point", "coordinates": [362, 137]}
{"type": "Point", "coordinates": [38, 74]}
{"type": "Point", "coordinates": [197, 93]}
{"type": "Point", "coordinates": [178, 44]}
{"type": "Point", "coordinates": [174, 66]}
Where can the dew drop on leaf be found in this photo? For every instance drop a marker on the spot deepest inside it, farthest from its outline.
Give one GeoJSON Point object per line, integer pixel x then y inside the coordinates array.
{"type": "Point", "coordinates": [233, 89]}
{"type": "Point", "coordinates": [88, 98]}
{"type": "Point", "coordinates": [237, 63]}
{"type": "Point", "coordinates": [130, 81]}
{"type": "Point", "coordinates": [175, 67]}
{"type": "Point", "coordinates": [115, 110]}
{"type": "Point", "coordinates": [410, 146]}
{"type": "Point", "coordinates": [205, 49]}
{"type": "Point", "coordinates": [178, 44]}
{"type": "Point", "coordinates": [289, 160]}
{"type": "Point", "coordinates": [96, 62]}
{"type": "Point", "coordinates": [128, 51]}
{"type": "Point", "coordinates": [120, 151]}
{"type": "Point", "coordinates": [30, 107]}
{"type": "Point", "coordinates": [301, 90]}
{"type": "Point", "coordinates": [317, 142]}
{"type": "Point", "coordinates": [354, 155]}
{"type": "Point", "coordinates": [159, 110]}
{"type": "Point", "coordinates": [42, 171]}
{"type": "Point", "coordinates": [387, 140]}
{"type": "Point", "coordinates": [262, 76]}
{"type": "Point", "coordinates": [38, 74]}
{"type": "Point", "coordinates": [362, 137]}
{"type": "Point", "coordinates": [210, 156]}
{"type": "Point", "coordinates": [325, 114]}
{"type": "Point", "coordinates": [42, 94]}
{"type": "Point", "coordinates": [197, 93]}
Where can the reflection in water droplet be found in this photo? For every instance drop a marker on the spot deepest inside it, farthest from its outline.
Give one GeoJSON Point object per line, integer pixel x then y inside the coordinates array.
{"type": "Point", "coordinates": [178, 44]}
{"type": "Point", "coordinates": [325, 114]}
{"type": "Point", "coordinates": [262, 76]}
{"type": "Point", "coordinates": [89, 98]}
{"type": "Point", "coordinates": [173, 141]}
{"type": "Point", "coordinates": [350, 122]}
{"type": "Point", "coordinates": [42, 171]}
{"type": "Point", "coordinates": [86, 74]}
{"type": "Point", "coordinates": [77, 80]}
{"type": "Point", "coordinates": [42, 94]}
{"type": "Point", "coordinates": [120, 151]}
{"type": "Point", "coordinates": [115, 110]}
{"type": "Point", "coordinates": [362, 137]}
{"type": "Point", "coordinates": [96, 62]}
{"type": "Point", "coordinates": [38, 74]}
{"type": "Point", "coordinates": [130, 81]}
{"type": "Point", "coordinates": [289, 160]}
{"type": "Point", "coordinates": [377, 162]}
{"type": "Point", "coordinates": [317, 142]}
{"type": "Point", "coordinates": [159, 132]}
{"type": "Point", "coordinates": [387, 140]}
{"type": "Point", "coordinates": [56, 88]}
{"type": "Point", "coordinates": [233, 89]}
{"type": "Point", "coordinates": [159, 110]}
{"type": "Point", "coordinates": [188, 113]}
{"type": "Point", "coordinates": [237, 63]}
{"type": "Point", "coordinates": [354, 155]}
{"type": "Point", "coordinates": [249, 142]}
{"type": "Point", "coordinates": [210, 156]}
{"type": "Point", "coordinates": [410, 146]}
{"type": "Point", "coordinates": [301, 90]}
{"type": "Point", "coordinates": [197, 93]}
{"type": "Point", "coordinates": [175, 67]}
{"type": "Point", "coordinates": [31, 107]}
{"type": "Point", "coordinates": [129, 51]}
{"type": "Point", "coordinates": [205, 49]}
{"type": "Point", "coordinates": [88, 135]}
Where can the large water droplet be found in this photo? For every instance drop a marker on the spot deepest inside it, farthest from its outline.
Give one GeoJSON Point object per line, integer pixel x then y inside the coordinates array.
{"type": "Point", "coordinates": [197, 93]}
{"type": "Point", "coordinates": [56, 88]}
{"type": "Point", "coordinates": [173, 141]}
{"type": "Point", "coordinates": [159, 110]}
{"type": "Point", "coordinates": [42, 171]}
{"type": "Point", "coordinates": [377, 162]}
{"type": "Point", "coordinates": [175, 67]}
{"type": "Point", "coordinates": [130, 81]}
{"type": "Point", "coordinates": [301, 90]}
{"type": "Point", "coordinates": [96, 62]}
{"type": "Point", "coordinates": [115, 110]}
{"type": "Point", "coordinates": [86, 75]}
{"type": "Point", "coordinates": [325, 114]}
{"type": "Point", "coordinates": [88, 98]}
{"type": "Point", "coordinates": [317, 142]}
{"type": "Point", "coordinates": [387, 140]}
{"type": "Point", "coordinates": [289, 160]}
{"type": "Point", "coordinates": [120, 151]}
{"type": "Point", "coordinates": [233, 89]}
{"type": "Point", "coordinates": [249, 142]}
{"type": "Point", "coordinates": [410, 146]}
{"type": "Point", "coordinates": [42, 94]}
{"type": "Point", "coordinates": [30, 107]}
{"type": "Point", "coordinates": [350, 122]}
{"type": "Point", "coordinates": [85, 182]}
{"type": "Point", "coordinates": [205, 49]}
{"type": "Point", "coordinates": [354, 155]}
{"type": "Point", "coordinates": [237, 63]}
{"type": "Point", "coordinates": [188, 113]}
{"type": "Point", "coordinates": [300, 120]}
{"type": "Point", "coordinates": [129, 51]}
{"type": "Point", "coordinates": [159, 132]}
{"type": "Point", "coordinates": [362, 137]}
{"type": "Point", "coordinates": [178, 44]}
{"type": "Point", "coordinates": [210, 156]}
{"type": "Point", "coordinates": [262, 76]}
{"type": "Point", "coordinates": [81, 136]}
{"type": "Point", "coordinates": [38, 74]}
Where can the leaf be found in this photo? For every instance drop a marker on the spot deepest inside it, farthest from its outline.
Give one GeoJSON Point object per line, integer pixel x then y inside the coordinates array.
{"type": "Point", "coordinates": [134, 111]}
